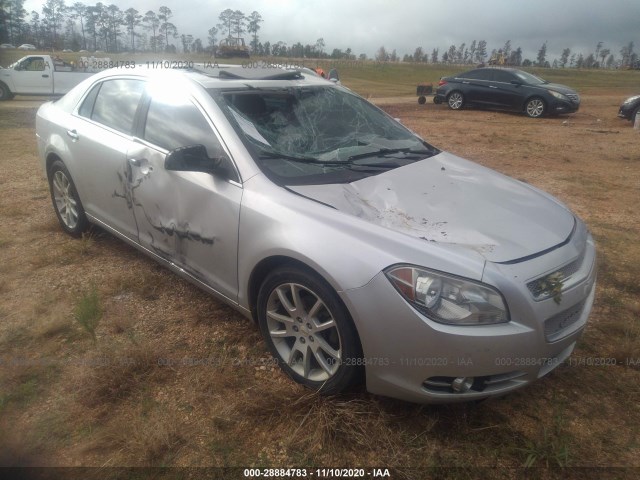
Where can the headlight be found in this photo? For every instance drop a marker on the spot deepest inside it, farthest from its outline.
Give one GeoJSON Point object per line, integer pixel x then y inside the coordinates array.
{"type": "Point", "coordinates": [558, 95]}
{"type": "Point", "coordinates": [631, 99]}
{"type": "Point", "coordinates": [448, 299]}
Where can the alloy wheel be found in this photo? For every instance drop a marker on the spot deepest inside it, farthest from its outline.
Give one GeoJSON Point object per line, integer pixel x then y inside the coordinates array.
{"type": "Point", "coordinates": [455, 100]}
{"type": "Point", "coordinates": [304, 332]}
{"type": "Point", "coordinates": [535, 108]}
{"type": "Point", "coordinates": [65, 202]}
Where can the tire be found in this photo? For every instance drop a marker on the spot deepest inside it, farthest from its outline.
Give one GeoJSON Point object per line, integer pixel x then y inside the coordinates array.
{"type": "Point", "coordinates": [633, 115]}
{"type": "Point", "coordinates": [65, 199]}
{"type": "Point", "coordinates": [422, 100]}
{"type": "Point", "coordinates": [535, 107]}
{"type": "Point", "coordinates": [455, 100]}
{"type": "Point", "coordinates": [308, 330]}
{"type": "Point", "coordinates": [5, 93]}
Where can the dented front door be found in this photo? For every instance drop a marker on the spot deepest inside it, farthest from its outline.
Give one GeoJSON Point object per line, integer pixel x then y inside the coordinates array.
{"type": "Point", "coordinates": [188, 218]}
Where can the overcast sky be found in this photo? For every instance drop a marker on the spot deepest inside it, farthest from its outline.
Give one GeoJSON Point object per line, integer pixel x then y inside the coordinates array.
{"type": "Point", "coordinates": [365, 25]}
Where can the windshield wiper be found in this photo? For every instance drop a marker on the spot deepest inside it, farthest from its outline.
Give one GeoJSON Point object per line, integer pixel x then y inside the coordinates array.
{"type": "Point", "coordinates": [282, 156]}
{"type": "Point", "coordinates": [349, 163]}
{"type": "Point", "coordinates": [388, 151]}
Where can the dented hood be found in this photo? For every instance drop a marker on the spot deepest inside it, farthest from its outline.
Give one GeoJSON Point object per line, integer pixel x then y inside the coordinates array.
{"type": "Point", "coordinates": [447, 199]}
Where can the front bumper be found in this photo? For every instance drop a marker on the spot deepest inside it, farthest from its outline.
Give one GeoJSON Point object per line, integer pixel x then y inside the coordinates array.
{"type": "Point", "coordinates": [561, 106]}
{"type": "Point", "coordinates": [626, 110]}
{"type": "Point", "coordinates": [410, 357]}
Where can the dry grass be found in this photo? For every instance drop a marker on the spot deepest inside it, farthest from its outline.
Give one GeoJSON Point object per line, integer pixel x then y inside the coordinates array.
{"type": "Point", "coordinates": [116, 373]}
{"type": "Point", "coordinates": [176, 378]}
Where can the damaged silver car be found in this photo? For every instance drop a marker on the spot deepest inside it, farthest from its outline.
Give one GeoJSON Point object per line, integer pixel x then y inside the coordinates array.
{"type": "Point", "coordinates": [361, 251]}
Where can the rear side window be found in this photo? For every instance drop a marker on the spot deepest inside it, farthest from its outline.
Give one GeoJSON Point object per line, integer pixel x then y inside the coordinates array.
{"type": "Point", "coordinates": [475, 75]}
{"type": "Point", "coordinates": [86, 109]}
{"type": "Point", "coordinates": [114, 103]}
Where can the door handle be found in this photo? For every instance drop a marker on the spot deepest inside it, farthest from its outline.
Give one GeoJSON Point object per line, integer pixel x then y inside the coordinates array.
{"type": "Point", "coordinates": [138, 162]}
{"type": "Point", "coordinates": [45, 76]}
{"type": "Point", "coordinates": [73, 134]}
{"type": "Point", "coordinates": [142, 164]}
{"type": "Point", "coordinates": [492, 86]}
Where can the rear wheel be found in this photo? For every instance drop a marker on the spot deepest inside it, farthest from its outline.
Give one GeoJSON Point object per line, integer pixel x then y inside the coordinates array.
{"type": "Point", "coordinates": [535, 107]}
{"type": "Point", "coordinates": [308, 330]}
{"type": "Point", "coordinates": [66, 201]}
{"type": "Point", "coordinates": [422, 99]}
{"type": "Point", "coordinates": [455, 100]}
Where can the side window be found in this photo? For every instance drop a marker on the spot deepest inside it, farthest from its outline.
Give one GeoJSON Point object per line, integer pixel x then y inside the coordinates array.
{"type": "Point", "coordinates": [116, 103]}
{"type": "Point", "coordinates": [502, 76]}
{"type": "Point", "coordinates": [33, 64]}
{"type": "Point", "coordinates": [176, 122]}
{"type": "Point", "coordinates": [86, 109]}
{"type": "Point", "coordinates": [475, 75]}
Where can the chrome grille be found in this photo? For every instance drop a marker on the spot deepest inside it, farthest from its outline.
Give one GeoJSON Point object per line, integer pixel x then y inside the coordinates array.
{"type": "Point", "coordinates": [536, 287]}
{"type": "Point", "coordinates": [573, 97]}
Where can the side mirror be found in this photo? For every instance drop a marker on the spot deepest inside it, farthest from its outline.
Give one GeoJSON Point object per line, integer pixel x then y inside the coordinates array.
{"type": "Point", "coordinates": [193, 158]}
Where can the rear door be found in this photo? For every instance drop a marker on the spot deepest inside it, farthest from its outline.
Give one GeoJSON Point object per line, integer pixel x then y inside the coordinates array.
{"type": "Point", "coordinates": [504, 93]}
{"type": "Point", "coordinates": [188, 218]}
{"type": "Point", "coordinates": [99, 139]}
{"type": "Point", "coordinates": [475, 86]}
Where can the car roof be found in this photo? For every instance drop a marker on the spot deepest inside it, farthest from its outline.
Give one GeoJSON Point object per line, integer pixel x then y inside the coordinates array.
{"type": "Point", "coordinates": [505, 69]}
{"type": "Point", "coordinates": [224, 76]}
{"type": "Point", "coordinates": [184, 77]}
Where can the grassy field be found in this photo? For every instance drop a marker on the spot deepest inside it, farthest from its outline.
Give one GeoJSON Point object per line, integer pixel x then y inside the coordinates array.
{"type": "Point", "coordinates": [106, 359]}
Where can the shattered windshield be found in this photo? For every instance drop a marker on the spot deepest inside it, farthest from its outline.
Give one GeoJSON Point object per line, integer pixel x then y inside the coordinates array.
{"type": "Point", "coordinates": [319, 134]}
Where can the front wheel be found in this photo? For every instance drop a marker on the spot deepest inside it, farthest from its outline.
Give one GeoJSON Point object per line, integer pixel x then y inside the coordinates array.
{"type": "Point", "coordinates": [455, 100]}
{"type": "Point", "coordinates": [66, 201]}
{"type": "Point", "coordinates": [5, 93]}
{"type": "Point", "coordinates": [308, 330]}
{"type": "Point", "coordinates": [535, 108]}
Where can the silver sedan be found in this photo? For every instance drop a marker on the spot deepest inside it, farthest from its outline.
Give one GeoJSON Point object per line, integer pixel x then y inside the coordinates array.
{"type": "Point", "coordinates": [361, 251]}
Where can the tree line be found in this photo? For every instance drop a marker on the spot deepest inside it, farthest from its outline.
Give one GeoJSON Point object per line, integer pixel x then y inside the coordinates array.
{"type": "Point", "coordinates": [107, 28]}
{"type": "Point", "coordinates": [476, 53]}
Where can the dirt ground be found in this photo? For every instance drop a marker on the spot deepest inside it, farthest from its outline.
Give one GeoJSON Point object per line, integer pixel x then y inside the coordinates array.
{"type": "Point", "coordinates": [176, 378]}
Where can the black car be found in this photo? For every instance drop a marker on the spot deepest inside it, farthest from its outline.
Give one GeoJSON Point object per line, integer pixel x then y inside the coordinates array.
{"type": "Point", "coordinates": [507, 89]}
{"type": "Point", "coordinates": [630, 108]}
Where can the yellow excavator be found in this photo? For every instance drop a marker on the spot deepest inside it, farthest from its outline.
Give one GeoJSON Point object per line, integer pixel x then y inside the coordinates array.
{"type": "Point", "coordinates": [231, 47]}
{"type": "Point", "coordinates": [498, 59]}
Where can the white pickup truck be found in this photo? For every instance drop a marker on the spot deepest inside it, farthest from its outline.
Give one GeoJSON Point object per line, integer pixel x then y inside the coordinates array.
{"type": "Point", "coordinates": [46, 75]}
